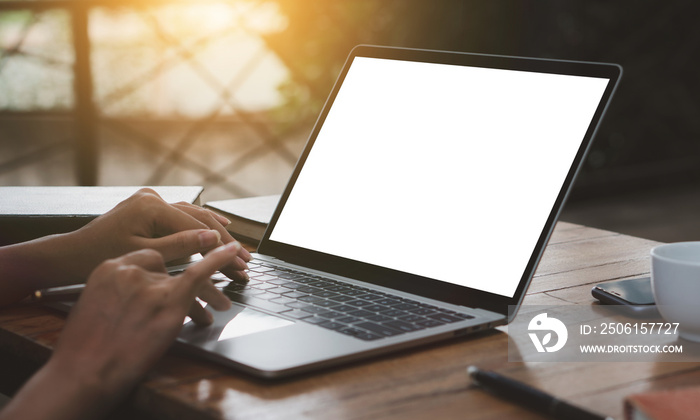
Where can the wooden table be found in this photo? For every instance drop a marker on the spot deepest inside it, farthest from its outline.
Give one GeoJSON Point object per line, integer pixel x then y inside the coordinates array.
{"type": "Point", "coordinates": [429, 382]}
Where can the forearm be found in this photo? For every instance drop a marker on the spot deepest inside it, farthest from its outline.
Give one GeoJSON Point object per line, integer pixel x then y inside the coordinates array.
{"type": "Point", "coordinates": [56, 392]}
{"type": "Point", "coordinates": [45, 262]}
{"type": "Point", "coordinates": [129, 303]}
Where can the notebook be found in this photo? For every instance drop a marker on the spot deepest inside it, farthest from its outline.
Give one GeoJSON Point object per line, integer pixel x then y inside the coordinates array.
{"type": "Point", "coordinates": [485, 146]}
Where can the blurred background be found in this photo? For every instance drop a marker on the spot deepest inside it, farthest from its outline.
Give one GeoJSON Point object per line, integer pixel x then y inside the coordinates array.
{"type": "Point", "coordinates": [224, 93]}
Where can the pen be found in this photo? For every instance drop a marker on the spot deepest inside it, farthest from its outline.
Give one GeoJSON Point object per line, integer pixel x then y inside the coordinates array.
{"type": "Point", "coordinates": [57, 294]}
{"type": "Point", "coordinates": [530, 397]}
{"type": "Point", "coordinates": [72, 292]}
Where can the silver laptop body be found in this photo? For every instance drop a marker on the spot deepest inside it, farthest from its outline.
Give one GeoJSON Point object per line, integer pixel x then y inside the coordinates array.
{"type": "Point", "coordinates": [417, 212]}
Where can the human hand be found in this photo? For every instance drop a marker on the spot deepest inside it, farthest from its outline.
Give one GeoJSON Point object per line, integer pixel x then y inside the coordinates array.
{"type": "Point", "coordinates": [146, 221]}
{"type": "Point", "coordinates": [128, 315]}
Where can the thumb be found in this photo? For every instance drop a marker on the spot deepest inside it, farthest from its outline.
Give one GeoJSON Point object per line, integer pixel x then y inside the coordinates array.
{"type": "Point", "coordinates": [185, 243]}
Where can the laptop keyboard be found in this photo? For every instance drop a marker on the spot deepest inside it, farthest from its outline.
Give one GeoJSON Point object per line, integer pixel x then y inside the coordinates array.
{"type": "Point", "coordinates": [349, 309]}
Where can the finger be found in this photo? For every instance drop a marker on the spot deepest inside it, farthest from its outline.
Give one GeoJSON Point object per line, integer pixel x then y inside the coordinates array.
{"type": "Point", "coordinates": [236, 265]}
{"type": "Point", "coordinates": [214, 297]}
{"type": "Point", "coordinates": [245, 255]}
{"type": "Point", "coordinates": [172, 219]}
{"type": "Point", "coordinates": [185, 243]}
{"type": "Point", "coordinates": [140, 195]}
{"type": "Point", "coordinates": [149, 191]}
{"type": "Point", "coordinates": [208, 217]}
{"type": "Point", "coordinates": [219, 218]}
{"type": "Point", "coordinates": [199, 315]}
{"type": "Point", "coordinates": [148, 259]}
{"type": "Point", "coordinates": [234, 273]}
{"type": "Point", "coordinates": [196, 277]}
{"type": "Point", "coordinates": [213, 261]}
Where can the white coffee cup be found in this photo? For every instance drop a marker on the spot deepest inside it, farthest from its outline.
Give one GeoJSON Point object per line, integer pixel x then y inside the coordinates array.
{"type": "Point", "coordinates": [675, 281]}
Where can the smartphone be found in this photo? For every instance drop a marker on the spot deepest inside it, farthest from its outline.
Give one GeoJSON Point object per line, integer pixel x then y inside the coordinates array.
{"type": "Point", "coordinates": [634, 295]}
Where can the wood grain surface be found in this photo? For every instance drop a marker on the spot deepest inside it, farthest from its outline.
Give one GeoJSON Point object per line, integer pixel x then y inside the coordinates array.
{"type": "Point", "coordinates": [424, 383]}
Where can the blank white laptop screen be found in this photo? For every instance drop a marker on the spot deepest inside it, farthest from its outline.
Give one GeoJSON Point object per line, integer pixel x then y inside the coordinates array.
{"type": "Point", "coordinates": [414, 156]}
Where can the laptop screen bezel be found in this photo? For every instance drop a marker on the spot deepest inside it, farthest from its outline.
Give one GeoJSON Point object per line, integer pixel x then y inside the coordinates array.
{"type": "Point", "coordinates": [422, 286]}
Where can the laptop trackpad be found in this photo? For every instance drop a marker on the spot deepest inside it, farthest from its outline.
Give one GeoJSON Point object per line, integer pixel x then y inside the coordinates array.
{"type": "Point", "coordinates": [236, 322]}
{"type": "Point", "coordinates": [265, 344]}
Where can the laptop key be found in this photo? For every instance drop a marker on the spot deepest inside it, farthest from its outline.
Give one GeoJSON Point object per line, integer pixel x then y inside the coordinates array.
{"type": "Point", "coordinates": [412, 318]}
{"type": "Point", "coordinates": [325, 294]}
{"type": "Point", "coordinates": [388, 301]}
{"type": "Point", "coordinates": [422, 311]}
{"type": "Point", "coordinates": [445, 318]}
{"type": "Point", "coordinates": [266, 296]}
{"type": "Point", "coordinates": [338, 301]}
{"type": "Point", "coordinates": [342, 298]}
{"type": "Point", "coordinates": [264, 286]}
{"type": "Point", "coordinates": [257, 303]}
{"type": "Point", "coordinates": [311, 299]}
{"type": "Point", "coordinates": [350, 331]}
{"type": "Point", "coordinates": [339, 288]}
{"type": "Point", "coordinates": [282, 300]}
{"type": "Point", "coordinates": [294, 294]}
{"type": "Point", "coordinates": [361, 313]}
{"type": "Point", "coordinates": [332, 325]}
{"type": "Point", "coordinates": [264, 264]}
{"type": "Point", "coordinates": [343, 308]}
{"type": "Point", "coordinates": [262, 277]}
{"type": "Point", "coordinates": [368, 336]}
{"type": "Point", "coordinates": [249, 291]}
{"type": "Point", "coordinates": [325, 303]}
{"type": "Point", "coordinates": [370, 296]}
{"type": "Point", "coordinates": [221, 284]}
{"type": "Point", "coordinates": [314, 320]}
{"type": "Point", "coordinates": [349, 320]}
{"type": "Point", "coordinates": [430, 323]}
{"type": "Point", "coordinates": [379, 318]}
{"type": "Point", "coordinates": [319, 283]}
{"type": "Point", "coordinates": [305, 280]}
{"type": "Point", "coordinates": [234, 287]}
{"type": "Point", "coordinates": [309, 289]}
{"type": "Point", "coordinates": [405, 306]}
{"type": "Point", "coordinates": [376, 308]}
{"type": "Point", "coordinates": [359, 303]}
{"type": "Point", "coordinates": [215, 276]}
{"type": "Point", "coordinates": [330, 314]}
{"type": "Point", "coordinates": [354, 292]}
{"type": "Point", "coordinates": [296, 313]}
{"type": "Point", "coordinates": [394, 313]}
{"type": "Point", "coordinates": [290, 276]}
{"type": "Point", "coordinates": [298, 305]}
{"type": "Point", "coordinates": [403, 326]}
{"type": "Point", "coordinates": [379, 329]}
{"type": "Point", "coordinates": [314, 310]}
{"type": "Point", "coordinates": [278, 290]}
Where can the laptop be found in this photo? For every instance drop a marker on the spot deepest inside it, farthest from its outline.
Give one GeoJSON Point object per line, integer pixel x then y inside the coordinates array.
{"type": "Point", "coordinates": [417, 212]}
